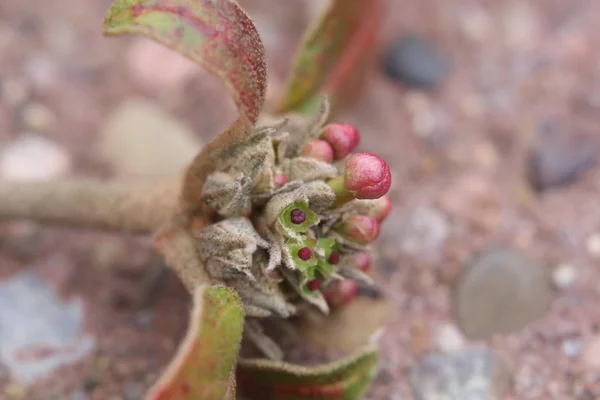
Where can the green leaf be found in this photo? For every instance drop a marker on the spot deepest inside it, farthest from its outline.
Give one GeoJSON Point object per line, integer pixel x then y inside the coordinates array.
{"type": "Point", "coordinates": [204, 364]}
{"type": "Point", "coordinates": [333, 56]}
{"type": "Point", "coordinates": [346, 379]}
{"type": "Point", "coordinates": [217, 34]}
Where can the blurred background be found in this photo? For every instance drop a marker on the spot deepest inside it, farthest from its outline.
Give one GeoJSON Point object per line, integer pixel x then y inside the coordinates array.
{"type": "Point", "coordinates": [486, 111]}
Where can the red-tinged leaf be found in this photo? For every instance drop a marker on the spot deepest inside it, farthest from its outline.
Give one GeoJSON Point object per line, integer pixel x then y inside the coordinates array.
{"type": "Point", "coordinates": [346, 379]}
{"type": "Point", "coordinates": [334, 55]}
{"type": "Point", "coordinates": [217, 34]}
{"type": "Point", "coordinates": [203, 367]}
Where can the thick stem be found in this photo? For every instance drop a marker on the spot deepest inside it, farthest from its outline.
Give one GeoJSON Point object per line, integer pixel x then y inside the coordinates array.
{"type": "Point", "coordinates": [132, 207]}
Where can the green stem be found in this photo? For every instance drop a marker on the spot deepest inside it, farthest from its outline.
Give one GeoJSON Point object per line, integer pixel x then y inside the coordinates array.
{"type": "Point", "coordinates": [125, 206]}
{"type": "Point", "coordinates": [342, 194]}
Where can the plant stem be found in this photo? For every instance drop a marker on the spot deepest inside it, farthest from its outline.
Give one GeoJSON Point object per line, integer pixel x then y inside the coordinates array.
{"type": "Point", "coordinates": [134, 207]}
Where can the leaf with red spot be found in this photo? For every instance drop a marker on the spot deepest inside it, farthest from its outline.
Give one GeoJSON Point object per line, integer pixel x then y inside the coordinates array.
{"type": "Point", "coordinates": [334, 55]}
{"type": "Point", "coordinates": [346, 379]}
{"type": "Point", "coordinates": [204, 364]}
{"type": "Point", "coordinates": [216, 34]}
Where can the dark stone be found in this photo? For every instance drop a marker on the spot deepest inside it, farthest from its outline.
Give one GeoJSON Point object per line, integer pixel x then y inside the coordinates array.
{"type": "Point", "coordinates": [414, 62]}
{"type": "Point", "coordinates": [558, 158]}
{"type": "Point", "coordinates": [472, 374]}
{"type": "Point", "coordinates": [90, 384]}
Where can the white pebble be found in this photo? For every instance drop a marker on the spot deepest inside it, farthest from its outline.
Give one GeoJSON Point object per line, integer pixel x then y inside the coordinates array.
{"type": "Point", "coordinates": [448, 338]}
{"type": "Point", "coordinates": [593, 245]}
{"type": "Point", "coordinates": [38, 117]}
{"type": "Point", "coordinates": [572, 347]}
{"type": "Point", "coordinates": [33, 157]}
{"type": "Point", "coordinates": [563, 276]}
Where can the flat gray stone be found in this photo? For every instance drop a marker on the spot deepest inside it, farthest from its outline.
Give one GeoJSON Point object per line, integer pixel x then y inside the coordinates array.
{"type": "Point", "coordinates": [38, 331]}
{"type": "Point", "coordinates": [471, 374]}
{"type": "Point", "coordinates": [140, 139]}
{"type": "Point", "coordinates": [499, 293]}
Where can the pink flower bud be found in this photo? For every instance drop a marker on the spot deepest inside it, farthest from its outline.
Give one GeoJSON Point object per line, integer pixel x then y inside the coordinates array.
{"type": "Point", "coordinates": [280, 179]}
{"type": "Point", "coordinates": [319, 149]}
{"type": "Point", "coordinates": [359, 229]}
{"type": "Point", "coordinates": [362, 261]}
{"type": "Point", "coordinates": [344, 138]}
{"type": "Point", "coordinates": [381, 207]}
{"type": "Point", "coordinates": [340, 293]}
{"type": "Point", "coordinates": [367, 175]}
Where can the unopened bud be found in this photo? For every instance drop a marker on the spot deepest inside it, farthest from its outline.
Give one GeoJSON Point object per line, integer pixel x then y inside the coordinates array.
{"type": "Point", "coordinates": [343, 138]}
{"type": "Point", "coordinates": [360, 229]}
{"type": "Point", "coordinates": [319, 149]}
{"type": "Point", "coordinates": [280, 179]}
{"type": "Point", "coordinates": [366, 176]}
{"type": "Point", "coordinates": [340, 293]}
{"type": "Point", "coordinates": [362, 261]}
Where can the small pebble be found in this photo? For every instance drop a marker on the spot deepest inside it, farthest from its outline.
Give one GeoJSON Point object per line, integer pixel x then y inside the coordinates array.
{"type": "Point", "coordinates": [37, 117]}
{"type": "Point", "coordinates": [572, 347]}
{"type": "Point", "coordinates": [420, 232]}
{"type": "Point", "coordinates": [559, 158]}
{"type": "Point", "coordinates": [592, 244]}
{"type": "Point", "coordinates": [563, 276]}
{"type": "Point", "coordinates": [448, 338]}
{"type": "Point", "coordinates": [143, 319]}
{"type": "Point", "coordinates": [414, 62]}
{"type": "Point", "coordinates": [33, 157]}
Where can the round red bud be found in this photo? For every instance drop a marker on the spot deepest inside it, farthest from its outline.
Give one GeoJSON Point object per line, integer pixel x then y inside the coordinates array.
{"type": "Point", "coordinates": [381, 207]}
{"type": "Point", "coordinates": [319, 149]}
{"type": "Point", "coordinates": [363, 261]}
{"type": "Point", "coordinates": [340, 293]}
{"type": "Point", "coordinates": [360, 229]}
{"type": "Point", "coordinates": [344, 138]}
{"type": "Point", "coordinates": [367, 176]}
{"type": "Point", "coordinates": [280, 179]}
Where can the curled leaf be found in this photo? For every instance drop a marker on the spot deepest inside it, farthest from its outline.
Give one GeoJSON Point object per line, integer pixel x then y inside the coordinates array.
{"type": "Point", "coordinates": [204, 364]}
{"type": "Point", "coordinates": [332, 57]}
{"type": "Point", "coordinates": [346, 379]}
{"type": "Point", "coordinates": [216, 34]}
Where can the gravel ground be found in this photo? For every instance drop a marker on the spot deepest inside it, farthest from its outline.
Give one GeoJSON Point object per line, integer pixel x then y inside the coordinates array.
{"type": "Point", "coordinates": [523, 85]}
